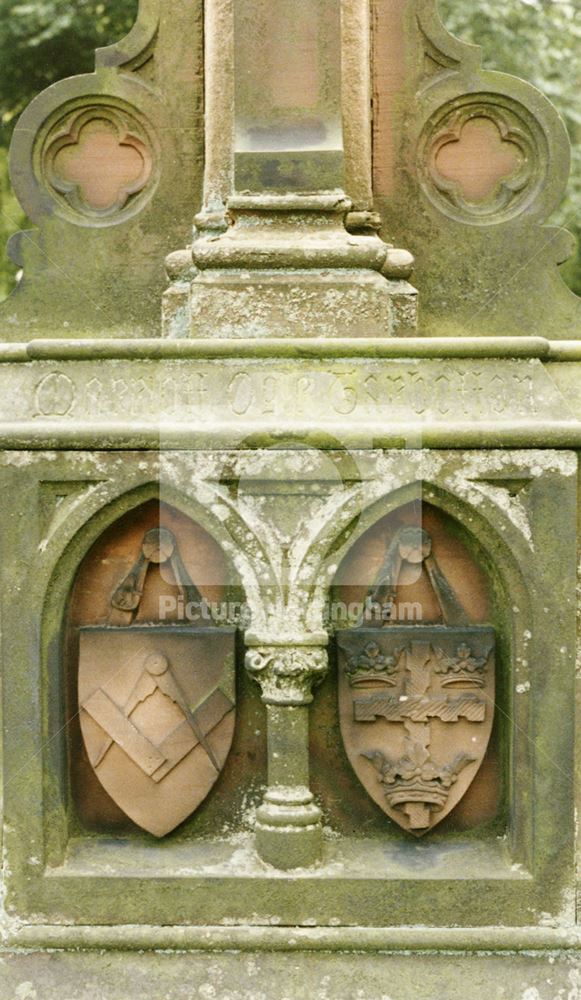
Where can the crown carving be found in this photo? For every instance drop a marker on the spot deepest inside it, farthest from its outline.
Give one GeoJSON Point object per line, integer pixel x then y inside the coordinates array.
{"type": "Point", "coordinates": [416, 783]}
{"type": "Point", "coordinates": [370, 667]}
{"type": "Point", "coordinates": [463, 669]}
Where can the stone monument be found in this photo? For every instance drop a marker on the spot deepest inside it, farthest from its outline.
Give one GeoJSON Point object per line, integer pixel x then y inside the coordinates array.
{"type": "Point", "coordinates": [290, 411]}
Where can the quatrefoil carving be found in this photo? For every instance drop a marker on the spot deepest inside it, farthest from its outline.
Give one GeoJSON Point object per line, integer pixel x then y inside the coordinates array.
{"type": "Point", "coordinates": [98, 162]}
{"type": "Point", "coordinates": [480, 159]}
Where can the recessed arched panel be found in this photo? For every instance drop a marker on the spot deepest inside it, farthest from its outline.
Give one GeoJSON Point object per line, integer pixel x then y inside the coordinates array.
{"type": "Point", "coordinates": [411, 708]}
{"type": "Point", "coordinates": [150, 667]}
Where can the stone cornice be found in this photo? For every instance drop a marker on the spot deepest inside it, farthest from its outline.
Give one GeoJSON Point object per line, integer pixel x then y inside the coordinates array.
{"type": "Point", "coordinates": [133, 937]}
{"type": "Point", "coordinates": [58, 349]}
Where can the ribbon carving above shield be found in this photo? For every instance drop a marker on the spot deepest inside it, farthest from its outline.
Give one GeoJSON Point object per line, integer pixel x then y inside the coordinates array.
{"type": "Point", "coordinates": [157, 702]}
{"type": "Point", "coordinates": [416, 701]}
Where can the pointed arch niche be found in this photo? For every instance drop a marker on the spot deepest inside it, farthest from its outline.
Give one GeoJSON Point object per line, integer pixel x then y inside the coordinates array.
{"type": "Point", "coordinates": [108, 562]}
{"type": "Point", "coordinates": [475, 580]}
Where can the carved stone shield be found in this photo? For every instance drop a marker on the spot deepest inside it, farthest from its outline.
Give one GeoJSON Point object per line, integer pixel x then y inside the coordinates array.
{"type": "Point", "coordinates": [416, 708]}
{"type": "Point", "coordinates": [157, 712]}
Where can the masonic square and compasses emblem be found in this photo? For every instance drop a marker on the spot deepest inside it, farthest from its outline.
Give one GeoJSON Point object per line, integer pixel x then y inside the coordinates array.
{"type": "Point", "coordinates": [156, 701]}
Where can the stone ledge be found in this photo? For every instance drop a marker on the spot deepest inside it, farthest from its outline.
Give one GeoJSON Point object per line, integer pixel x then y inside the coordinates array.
{"type": "Point", "coordinates": [305, 347]}
{"type": "Point", "coordinates": [132, 937]}
{"type": "Point", "coordinates": [163, 437]}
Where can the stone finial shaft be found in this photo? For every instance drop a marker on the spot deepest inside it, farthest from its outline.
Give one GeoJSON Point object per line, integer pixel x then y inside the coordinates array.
{"type": "Point", "coordinates": [287, 95]}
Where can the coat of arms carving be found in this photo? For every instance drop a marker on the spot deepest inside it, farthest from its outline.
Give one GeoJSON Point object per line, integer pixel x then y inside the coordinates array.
{"type": "Point", "coordinates": [417, 701]}
{"type": "Point", "coordinates": [156, 701]}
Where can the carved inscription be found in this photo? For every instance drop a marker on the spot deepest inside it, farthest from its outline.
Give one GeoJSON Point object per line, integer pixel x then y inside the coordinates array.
{"type": "Point", "coordinates": [136, 397]}
{"type": "Point", "coordinates": [425, 391]}
{"type": "Point", "coordinates": [55, 395]}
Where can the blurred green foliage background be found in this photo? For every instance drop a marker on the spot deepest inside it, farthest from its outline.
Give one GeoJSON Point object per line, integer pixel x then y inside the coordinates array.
{"type": "Point", "coordinates": [46, 40]}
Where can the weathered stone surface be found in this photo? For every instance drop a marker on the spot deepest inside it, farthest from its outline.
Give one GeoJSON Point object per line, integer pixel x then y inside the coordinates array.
{"type": "Point", "coordinates": [485, 264]}
{"type": "Point", "coordinates": [57, 872]}
{"type": "Point", "coordinates": [279, 427]}
{"type": "Point", "coordinates": [288, 264]}
{"type": "Point", "coordinates": [354, 392]}
{"type": "Point", "coordinates": [470, 208]}
{"type": "Point", "coordinates": [94, 264]}
{"type": "Point", "coordinates": [257, 976]}
{"type": "Point", "coordinates": [334, 304]}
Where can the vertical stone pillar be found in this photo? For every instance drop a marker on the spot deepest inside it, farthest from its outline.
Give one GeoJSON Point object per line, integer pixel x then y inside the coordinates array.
{"type": "Point", "coordinates": [218, 162]}
{"type": "Point", "coordinates": [287, 95]}
{"type": "Point", "coordinates": [357, 101]}
{"type": "Point", "coordinates": [218, 120]}
{"type": "Point", "coordinates": [288, 823]}
{"type": "Point", "coordinates": [285, 244]}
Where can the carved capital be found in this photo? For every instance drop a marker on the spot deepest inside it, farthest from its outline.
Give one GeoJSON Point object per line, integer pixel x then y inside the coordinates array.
{"type": "Point", "coordinates": [287, 674]}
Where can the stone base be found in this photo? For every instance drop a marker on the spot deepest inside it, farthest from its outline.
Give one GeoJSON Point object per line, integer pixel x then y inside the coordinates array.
{"type": "Point", "coordinates": [288, 830]}
{"type": "Point", "coordinates": [175, 311]}
{"type": "Point", "coordinates": [335, 303]}
{"type": "Point", "coordinates": [253, 975]}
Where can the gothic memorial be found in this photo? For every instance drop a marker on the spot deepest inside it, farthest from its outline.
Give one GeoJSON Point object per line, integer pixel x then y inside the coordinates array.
{"type": "Point", "coordinates": [289, 414]}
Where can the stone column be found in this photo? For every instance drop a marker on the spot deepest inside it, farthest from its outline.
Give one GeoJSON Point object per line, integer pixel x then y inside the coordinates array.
{"type": "Point", "coordinates": [288, 823]}
{"type": "Point", "coordinates": [287, 95]}
{"type": "Point", "coordinates": [218, 121]}
{"type": "Point", "coordinates": [288, 155]}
